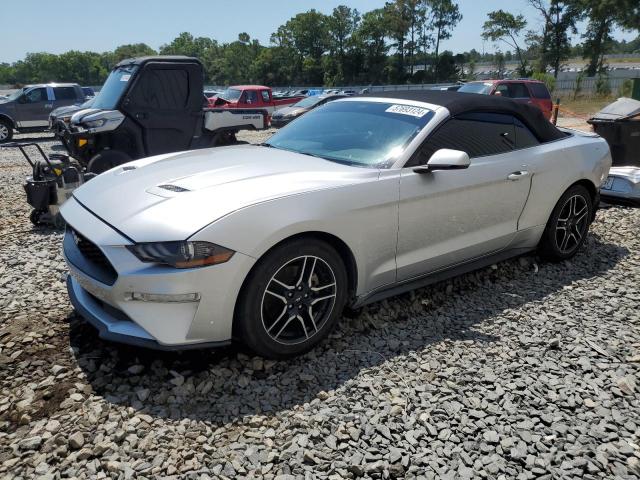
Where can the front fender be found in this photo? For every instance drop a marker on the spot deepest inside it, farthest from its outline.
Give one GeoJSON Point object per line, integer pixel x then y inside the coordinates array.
{"type": "Point", "coordinates": [363, 216]}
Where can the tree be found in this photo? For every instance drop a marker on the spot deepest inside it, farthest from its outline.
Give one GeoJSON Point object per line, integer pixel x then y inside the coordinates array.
{"type": "Point", "coordinates": [342, 24]}
{"type": "Point", "coordinates": [370, 37]}
{"type": "Point", "coordinates": [554, 43]}
{"type": "Point", "coordinates": [186, 44]}
{"type": "Point", "coordinates": [603, 16]}
{"type": "Point", "coordinates": [132, 51]}
{"type": "Point", "coordinates": [446, 15]}
{"type": "Point", "coordinates": [307, 34]}
{"type": "Point", "coordinates": [506, 27]}
{"type": "Point", "coordinates": [398, 21]}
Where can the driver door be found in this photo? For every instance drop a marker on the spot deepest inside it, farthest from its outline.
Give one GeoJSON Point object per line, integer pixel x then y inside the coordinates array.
{"type": "Point", "coordinates": [447, 217]}
{"type": "Point", "coordinates": [33, 108]}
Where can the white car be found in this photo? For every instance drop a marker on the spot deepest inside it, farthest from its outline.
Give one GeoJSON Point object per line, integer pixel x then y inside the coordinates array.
{"type": "Point", "coordinates": [357, 200]}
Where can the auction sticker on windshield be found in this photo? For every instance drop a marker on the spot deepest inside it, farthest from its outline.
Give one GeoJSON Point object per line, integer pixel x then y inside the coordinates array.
{"type": "Point", "coordinates": [417, 112]}
{"type": "Point", "coordinates": [125, 78]}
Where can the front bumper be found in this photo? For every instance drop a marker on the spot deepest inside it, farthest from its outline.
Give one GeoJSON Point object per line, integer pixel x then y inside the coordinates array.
{"type": "Point", "coordinates": [114, 326]}
{"type": "Point", "coordinates": [102, 294]}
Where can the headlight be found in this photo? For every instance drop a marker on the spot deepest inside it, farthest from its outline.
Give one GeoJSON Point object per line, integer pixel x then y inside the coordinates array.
{"type": "Point", "coordinates": [94, 123]}
{"type": "Point", "coordinates": [181, 254]}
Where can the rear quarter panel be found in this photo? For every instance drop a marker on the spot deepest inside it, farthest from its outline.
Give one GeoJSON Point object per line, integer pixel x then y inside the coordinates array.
{"type": "Point", "coordinates": [555, 166]}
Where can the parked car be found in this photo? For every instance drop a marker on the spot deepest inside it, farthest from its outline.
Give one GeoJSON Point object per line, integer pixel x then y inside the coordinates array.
{"type": "Point", "coordinates": [88, 92]}
{"type": "Point", "coordinates": [283, 116]}
{"type": "Point", "coordinates": [27, 109]}
{"type": "Point", "coordinates": [60, 118]}
{"type": "Point", "coordinates": [356, 201]}
{"type": "Point", "coordinates": [531, 92]}
{"type": "Point", "coordinates": [212, 93]}
{"type": "Point", "coordinates": [149, 106]}
{"type": "Point", "coordinates": [349, 92]}
{"type": "Point", "coordinates": [447, 88]}
{"type": "Point", "coordinates": [256, 97]}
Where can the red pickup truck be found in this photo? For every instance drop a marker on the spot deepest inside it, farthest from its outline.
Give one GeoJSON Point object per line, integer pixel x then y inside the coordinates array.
{"type": "Point", "coordinates": [251, 96]}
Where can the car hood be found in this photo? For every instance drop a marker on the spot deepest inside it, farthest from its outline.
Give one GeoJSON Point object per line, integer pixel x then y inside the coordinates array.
{"type": "Point", "coordinates": [170, 197]}
{"type": "Point", "coordinates": [289, 111]}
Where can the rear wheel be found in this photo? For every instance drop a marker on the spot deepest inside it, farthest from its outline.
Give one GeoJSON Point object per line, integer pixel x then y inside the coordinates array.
{"type": "Point", "coordinates": [106, 160]}
{"type": "Point", "coordinates": [292, 299]}
{"type": "Point", "coordinates": [568, 225]}
{"type": "Point", "coordinates": [6, 131]}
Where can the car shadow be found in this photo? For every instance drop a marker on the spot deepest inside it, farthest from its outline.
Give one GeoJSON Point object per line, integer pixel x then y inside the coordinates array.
{"type": "Point", "coordinates": [223, 385]}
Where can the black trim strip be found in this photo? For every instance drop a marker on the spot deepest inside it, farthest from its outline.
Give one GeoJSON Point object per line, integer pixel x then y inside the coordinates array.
{"type": "Point", "coordinates": [103, 220]}
{"type": "Point", "coordinates": [437, 276]}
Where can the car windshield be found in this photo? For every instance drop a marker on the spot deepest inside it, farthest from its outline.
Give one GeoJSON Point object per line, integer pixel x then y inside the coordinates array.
{"type": "Point", "coordinates": [308, 102]}
{"type": "Point", "coordinates": [476, 87]}
{"type": "Point", "coordinates": [368, 134]}
{"type": "Point", "coordinates": [14, 95]}
{"type": "Point", "coordinates": [230, 94]}
{"type": "Point", "coordinates": [111, 91]}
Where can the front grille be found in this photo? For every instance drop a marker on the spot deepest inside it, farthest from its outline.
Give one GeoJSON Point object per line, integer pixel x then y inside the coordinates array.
{"type": "Point", "coordinates": [91, 260]}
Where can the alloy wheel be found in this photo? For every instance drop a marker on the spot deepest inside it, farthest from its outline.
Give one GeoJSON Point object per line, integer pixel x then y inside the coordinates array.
{"type": "Point", "coordinates": [4, 132]}
{"type": "Point", "coordinates": [298, 300]}
{"type": "Point", "coordinates": [572, 223]}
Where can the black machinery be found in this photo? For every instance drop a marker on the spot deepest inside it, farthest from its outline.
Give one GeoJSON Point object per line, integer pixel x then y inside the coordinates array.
{"type": "Point", "coordinates": [51, 183]}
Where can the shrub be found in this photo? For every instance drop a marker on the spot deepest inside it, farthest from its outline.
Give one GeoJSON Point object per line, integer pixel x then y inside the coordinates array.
{"type": "Point", "coordinates": [548, 79]}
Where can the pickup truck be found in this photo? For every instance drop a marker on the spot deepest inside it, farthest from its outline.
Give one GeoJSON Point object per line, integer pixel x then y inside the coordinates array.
{"type": "Point", "coordinates": [27, 110]}
{"type": "Point", "coordinates": [150, 106]}
{"type": "Point", "coordinates": [252, 96]}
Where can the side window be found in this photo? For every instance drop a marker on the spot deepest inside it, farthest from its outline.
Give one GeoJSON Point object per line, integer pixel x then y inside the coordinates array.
{"type": "Point", "coordinates": [539, 90]}
{"type": "Point", "coordinates": [524, 137]}
{"type": "Point", "coordinates": [518, 90]}
{"type": "Point", "coordinates": [64, 93]}
{"type": "Point", "coordinates": [163, 90]}
{"type": "Point", "coordinates": [503, 90]}
{"type": "Point", "coordinates": [478, 134]}
{"type": "Point", "coordinates": [265, 96]}
{"type": "Point", "coordinates": [251, 96]}
{"type": "Point", "coordinates": [36, 95]}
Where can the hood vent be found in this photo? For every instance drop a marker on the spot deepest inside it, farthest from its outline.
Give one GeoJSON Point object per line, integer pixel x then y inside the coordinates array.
{"type": "Point", "coordinates": [173, 188]}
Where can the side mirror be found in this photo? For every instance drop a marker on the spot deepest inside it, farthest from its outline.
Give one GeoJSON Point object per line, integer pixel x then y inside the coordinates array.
{"type": "Point", "coordinates": [497, 93]}
{"type": "Point", "coordinates": [445, 159]}
{"type": "Point", "coordinates": [22, 99]}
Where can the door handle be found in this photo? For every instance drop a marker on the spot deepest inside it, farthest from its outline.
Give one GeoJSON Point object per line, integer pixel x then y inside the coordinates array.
{"type": "Point", "coordinates": [518, 175]}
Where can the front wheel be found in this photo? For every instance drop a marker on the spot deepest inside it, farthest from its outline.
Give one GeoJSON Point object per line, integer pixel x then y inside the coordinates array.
{"type": "Point", "coordinates": [568, 225]}
{"type": "Point", "coordinates": [6, 131]}
{"type": "Point", "coordinates": [292, 299]}
{"type": "Point", "coordinates": [106, 160]}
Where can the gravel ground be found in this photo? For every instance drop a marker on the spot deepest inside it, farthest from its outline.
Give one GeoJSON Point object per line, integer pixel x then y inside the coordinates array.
{"type": "Point", "coordinates": [522, 370]}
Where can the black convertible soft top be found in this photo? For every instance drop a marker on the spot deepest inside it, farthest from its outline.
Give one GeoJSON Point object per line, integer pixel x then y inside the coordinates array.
{"type": "Point", "coordinates": [459, 102]}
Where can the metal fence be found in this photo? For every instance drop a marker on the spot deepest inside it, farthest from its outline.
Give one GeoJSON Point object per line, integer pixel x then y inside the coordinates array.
{"type": "Point", "coordinates": [588, 86]}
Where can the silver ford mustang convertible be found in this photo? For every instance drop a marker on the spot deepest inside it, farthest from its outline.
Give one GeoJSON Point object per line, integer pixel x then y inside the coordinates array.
{"type": "Point", "coordinates": [355, 201]}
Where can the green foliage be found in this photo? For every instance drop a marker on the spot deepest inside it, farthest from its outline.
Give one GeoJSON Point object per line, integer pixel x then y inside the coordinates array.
{"type": "Point", "coordinates": [603, 88]}
{"type": "Point", "coordinates": [398, 43]}
{"type": "Point", "coordinates": [506, 27]}
{"type": "Point", "coordinates": [577, 89]}
{"type": "Point", "coordinates": [626, 88]}
{"type": "Point", "coordinates": [548, 79]}
{"type": "Point", "coordinates": [603, 16]}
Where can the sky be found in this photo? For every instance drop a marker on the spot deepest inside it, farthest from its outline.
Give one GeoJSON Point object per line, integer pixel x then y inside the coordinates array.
{"type": "Point", "coordinates": [101, 26]}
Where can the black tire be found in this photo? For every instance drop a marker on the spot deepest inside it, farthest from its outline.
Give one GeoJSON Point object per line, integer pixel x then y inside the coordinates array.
{"type": "Point", "coordinates": [258, 320]}
{"type": "Point", "coordinates": [568, 225]}
{"type": "Point", "coordinates": [106, 160]}
{"type": "Point", "coordinates": [6, 131]}
{"type": "Point", "coordinates": [35, 216]}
